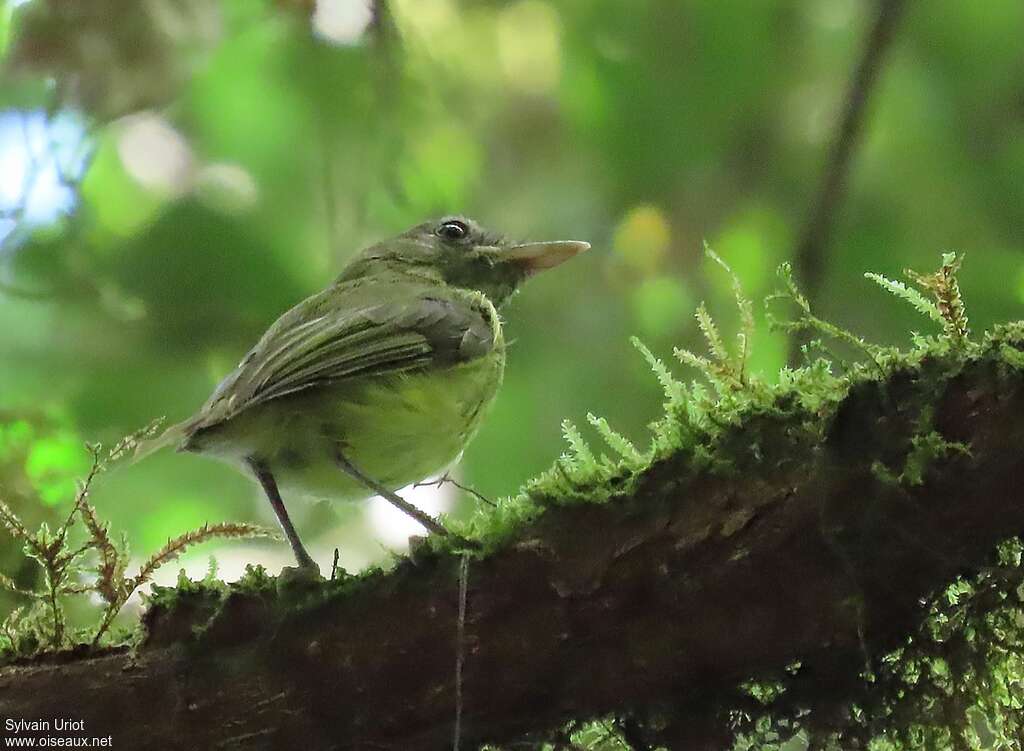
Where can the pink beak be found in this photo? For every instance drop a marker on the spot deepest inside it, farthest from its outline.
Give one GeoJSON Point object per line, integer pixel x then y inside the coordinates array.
{"type": "Point", "coordinates": [536, 257]}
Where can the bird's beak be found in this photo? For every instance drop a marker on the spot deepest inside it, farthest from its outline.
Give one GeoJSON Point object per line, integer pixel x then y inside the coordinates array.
{"type": "Point", "coordinates": [534, 257]}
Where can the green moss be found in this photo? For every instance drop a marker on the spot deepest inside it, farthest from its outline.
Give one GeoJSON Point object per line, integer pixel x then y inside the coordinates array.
{"type": "Point", "coordinates": [967, 653]}
{"type": "Point", "coordinates": [741, 421]}
{"type": "Point", "coordinates": [256, 581]}
{"type": "Point", "coordinates": [955, 683]}
{"type": "Point", "coordinates": [184, 588]}
{"type": "Point", "coordinates": [727, 420]}
{"type": "Point", "coordinates": [928, 449]}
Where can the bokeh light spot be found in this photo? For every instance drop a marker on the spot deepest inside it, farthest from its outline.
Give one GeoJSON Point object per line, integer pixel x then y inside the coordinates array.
{"type": "Point", "coordinates": [52, 465]}
{"type": "Point", "coordinates": [342, 21]}
{"type": "Point", "coordinates": [753, 243]}
{"type": "Point", "coordinates": [178, 513]}
{"type": "Point", "coordinates": [642, 238]}
{"type": "Point", "coordinates": [155, 154]}
{"type": "Point", "coordinates": [444, 162]}
{"type": "Point", "coordinates": [227, 187]}
{"type": "Point", "coordinates": [529, 46]}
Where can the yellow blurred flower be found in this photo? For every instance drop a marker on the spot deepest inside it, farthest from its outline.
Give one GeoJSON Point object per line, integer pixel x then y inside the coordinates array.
{"type": "Point", "coordinates": [642, 238]}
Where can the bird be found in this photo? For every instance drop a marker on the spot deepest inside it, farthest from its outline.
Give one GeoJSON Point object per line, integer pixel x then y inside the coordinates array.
{"type": "Point", "coordinates": [378, 381]}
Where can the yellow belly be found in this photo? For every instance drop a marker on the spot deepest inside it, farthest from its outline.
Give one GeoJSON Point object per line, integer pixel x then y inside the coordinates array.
{"type": "Point", "coordinates": [397, 429]}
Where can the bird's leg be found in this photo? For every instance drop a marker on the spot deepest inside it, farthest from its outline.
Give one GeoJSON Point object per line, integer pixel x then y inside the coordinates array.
{"type": "Point", "coordinates": [390, 496]}
{"type": "Point", "coordinates": [274, 496]}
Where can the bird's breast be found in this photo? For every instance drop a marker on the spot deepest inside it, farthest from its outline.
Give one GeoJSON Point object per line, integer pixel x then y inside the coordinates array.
{"type": "Point", "coordinates": [397, 429]}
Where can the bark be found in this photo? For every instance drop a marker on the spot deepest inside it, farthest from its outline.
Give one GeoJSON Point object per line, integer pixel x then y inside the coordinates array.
{"type": "Point", "coordinates": [667, 595]}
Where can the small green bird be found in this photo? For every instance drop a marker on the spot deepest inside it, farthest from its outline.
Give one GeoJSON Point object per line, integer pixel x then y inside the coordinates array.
{"type": "Point", "coordinates": [378, 381]}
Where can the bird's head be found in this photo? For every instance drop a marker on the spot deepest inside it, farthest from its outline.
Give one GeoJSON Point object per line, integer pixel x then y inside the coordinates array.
{"type": "Point", "coordinates": [459, 252]}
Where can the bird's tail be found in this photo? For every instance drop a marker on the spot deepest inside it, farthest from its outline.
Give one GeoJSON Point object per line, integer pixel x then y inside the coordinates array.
{"type": "Point", "coordinates": [175, 434]}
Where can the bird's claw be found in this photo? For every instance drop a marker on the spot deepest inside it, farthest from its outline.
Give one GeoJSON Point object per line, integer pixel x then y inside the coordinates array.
{"type": "Point", "coordinates": [299, 578]}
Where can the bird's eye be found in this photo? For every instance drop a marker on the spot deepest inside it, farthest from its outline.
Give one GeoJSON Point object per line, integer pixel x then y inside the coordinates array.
{"type": "Point", "coordinates": [453, 230]}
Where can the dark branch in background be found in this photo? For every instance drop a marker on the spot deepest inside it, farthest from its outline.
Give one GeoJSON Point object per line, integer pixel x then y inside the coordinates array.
{"type": "Point", "coordinates": [385, 31]}
{"type": "Point", "coordinates": [809, 257]}
{"type": "Point", "coordinates": [817, 544]}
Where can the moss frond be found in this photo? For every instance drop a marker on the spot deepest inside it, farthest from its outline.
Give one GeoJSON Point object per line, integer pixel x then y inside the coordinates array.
{"type": "Point", "coordinates": [710, 331]}
{"type": "Point", "coordinates": [616, 441]}
{"type": "Point", "coordinates": [807, 321]}
{"type": "Point", "coordinates": [111, 563]}
{"type": "Point", "coordinates": [926, 449]}
{"type": "Point", "coordinates": [130, 442]}
{"type": "Point", "coordinates": [41, 625]}
{"type": "Point", "coordinates": [10, 585]}
{"type": "Point", "coordinates": [724, 370]}
{"type": "Point", "coordinates": [178, 545]}
{"type": "Point", "coordinates": [745, 336]}
{"type": "Point", "coordinates": [1012, 356]}
{"type": "Point", "coordinates": [945, 287]}
{"type": "Point", "coordinates": [703, 364]}
{"type": "Point", "coordinates": [212, 568]}
{"type": "Point", "coordinates": [920, 303]}
{"type": "Point", "coordinates": [675, 390]}
{"type": "Point", "coordinates": [582, 458]}
{"type": "Point", "coordinates": [12, 524]}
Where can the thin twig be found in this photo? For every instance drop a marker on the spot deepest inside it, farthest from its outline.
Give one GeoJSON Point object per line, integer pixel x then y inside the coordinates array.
{"type": "Point", "coordinates": [809, 258]}
{"type": "Point", "coordinates": [446, 479]}
{"type": "Point", "coordinates": [334, 565]}
{"type": "Point", "coordinates": [460, 648]}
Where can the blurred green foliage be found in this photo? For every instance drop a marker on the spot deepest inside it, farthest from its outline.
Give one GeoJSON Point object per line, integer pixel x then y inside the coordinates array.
{"type": "Point", "coordinates": [241, 151]}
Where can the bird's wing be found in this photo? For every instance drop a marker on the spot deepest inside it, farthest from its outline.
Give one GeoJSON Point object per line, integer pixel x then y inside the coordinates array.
{"type": "Point", "coordinates": [369, 330]}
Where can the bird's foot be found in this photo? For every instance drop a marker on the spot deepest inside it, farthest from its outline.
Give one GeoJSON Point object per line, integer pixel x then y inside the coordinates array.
{"type": "Point", "coordinates": [418, 548]}
{"type": "Point", "coordinates": [297, 579]}
{"type": "Point", "coordinates": [337, 572]}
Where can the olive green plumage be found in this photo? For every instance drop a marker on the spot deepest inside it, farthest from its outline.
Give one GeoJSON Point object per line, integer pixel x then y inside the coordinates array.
{"type": "Point", "coordinates": [389, 370]}
{"type": "Point", "coordinates": [395, 373]}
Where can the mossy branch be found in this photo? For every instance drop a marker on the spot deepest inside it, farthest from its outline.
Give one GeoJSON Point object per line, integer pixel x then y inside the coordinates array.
{"type": "Point", "coordinates": [656, 604]}
{"type": "Point", "coordinates": [776, 534]}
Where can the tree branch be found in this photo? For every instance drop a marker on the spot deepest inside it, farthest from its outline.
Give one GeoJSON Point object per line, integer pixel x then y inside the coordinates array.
{"type": "Point", "coordinates": [809, 257]}
{"type": "Point", "coordinates": [674, 591]}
